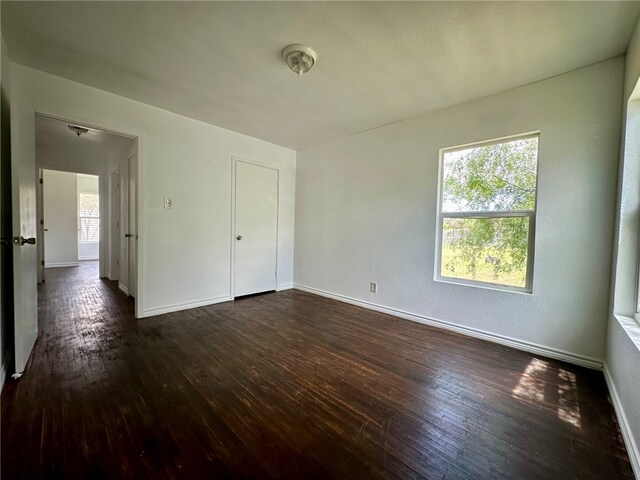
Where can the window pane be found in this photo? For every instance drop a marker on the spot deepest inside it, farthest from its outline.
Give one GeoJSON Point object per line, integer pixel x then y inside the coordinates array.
{"type": "Point", "coordinates": [492, 250]}
{"type": "Point", "coordinates": [499, 177]}
{"type": "Point", "coordinates": [89, 205]}
{"type": "Point", "coordinates": [89, 229]}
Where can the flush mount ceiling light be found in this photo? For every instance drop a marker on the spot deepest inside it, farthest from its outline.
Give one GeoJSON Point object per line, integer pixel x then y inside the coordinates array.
{"type": "Point", "coordinates": [299, 58]}
{"type": "Point", "coordinates": [77, 129]}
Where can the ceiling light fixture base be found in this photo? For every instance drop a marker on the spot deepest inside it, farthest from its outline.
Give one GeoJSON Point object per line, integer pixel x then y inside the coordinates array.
{"type": "Point", "coordinates": [299, 58]}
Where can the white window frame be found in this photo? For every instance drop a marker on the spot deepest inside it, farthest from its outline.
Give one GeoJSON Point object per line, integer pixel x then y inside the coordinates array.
{"type": "Point", "coordinates": [531, 214]}
{"type": "Point", "coordinates": [637, 312]}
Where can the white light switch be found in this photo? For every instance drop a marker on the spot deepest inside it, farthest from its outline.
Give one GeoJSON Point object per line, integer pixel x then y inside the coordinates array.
{"type": "Point", "coordinates": [168, 203]}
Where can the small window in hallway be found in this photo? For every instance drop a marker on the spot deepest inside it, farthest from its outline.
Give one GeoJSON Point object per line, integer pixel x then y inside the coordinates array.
{"type": "Point", "coordinates": [89, 217]}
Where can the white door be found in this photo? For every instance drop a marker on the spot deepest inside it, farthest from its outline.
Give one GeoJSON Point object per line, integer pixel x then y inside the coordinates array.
{"type": "Point", "coordinates": [24, 228]}
{"type": "Point", "coordinates": [128, 226]}
{"type": "Point", "coordinates": [256, 228]}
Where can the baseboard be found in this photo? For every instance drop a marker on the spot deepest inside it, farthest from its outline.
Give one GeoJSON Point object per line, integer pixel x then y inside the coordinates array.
{"type": "Point", "coordinates": [61, 264]}
{"type": "Point", "coordinates": [625, 426]}
{"type": "Point", "coordinates": [569, 357]}
{"type": "Point", "coordinates": [123, 289]}
{"type": "Point", "coordinates": [149, 312]}
{"type": "Point", "coordinates": [286, 286]}
{"type": "Point", "coordinates": [82, 259]}
{"type": "Point", "coordinates": [5, 366]}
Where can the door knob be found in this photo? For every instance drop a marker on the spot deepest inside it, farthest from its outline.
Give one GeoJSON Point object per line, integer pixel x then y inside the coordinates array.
{"type": "Point", "coordinates": [30, 241]}
{"type": "Point", "coordinates": [239, 237]}
{"type": "Point", "coordinates": [128, 235]}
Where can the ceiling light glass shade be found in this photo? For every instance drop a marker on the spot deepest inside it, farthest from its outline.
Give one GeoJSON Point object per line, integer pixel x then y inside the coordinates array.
{"type": "Point", "coordinates": [299, 58]}
{"type": "Point", "coordinates": [77, 129]}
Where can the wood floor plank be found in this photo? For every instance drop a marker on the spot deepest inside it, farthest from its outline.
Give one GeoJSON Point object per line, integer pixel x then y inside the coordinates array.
{"type": "Point", "coordinates": [290, 385]}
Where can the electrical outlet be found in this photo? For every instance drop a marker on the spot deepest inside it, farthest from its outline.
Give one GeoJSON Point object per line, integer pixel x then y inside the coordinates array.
{"type": "Point", "coordinates": [373, 287]}
{"type": "Point", "coordinates": [168, 203]}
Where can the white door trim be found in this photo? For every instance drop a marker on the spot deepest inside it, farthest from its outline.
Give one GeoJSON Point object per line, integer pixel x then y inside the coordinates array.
{"type": "Point", "coordinates": [40, 223]}
{"type": "Point", "coordinates": [232, 251]}
{"type": "Point", "coordinates": [114, 223]}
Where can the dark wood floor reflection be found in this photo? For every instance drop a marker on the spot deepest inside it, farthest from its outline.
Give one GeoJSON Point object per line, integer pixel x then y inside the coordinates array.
{"type": "Point", "coordinates": [290, 385]}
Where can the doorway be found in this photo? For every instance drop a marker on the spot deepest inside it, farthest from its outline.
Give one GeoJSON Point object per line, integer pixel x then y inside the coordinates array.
{"type": "Point", "coordinates": [69, 219]}
{"type": "Point", "coordinates": [83, 155]}
{"type": "Point", "coordinates": [255, 228]}
{"type": "Point", "coordinates": [94, 172]}
{"type": "Point", "coordinates": [61, 144]}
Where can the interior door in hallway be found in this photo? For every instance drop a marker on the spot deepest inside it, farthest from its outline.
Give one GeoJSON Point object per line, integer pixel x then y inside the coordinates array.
{"type": "Point", "coordinates": [256, 228]}
{"type": "Point", "coordinates": [24, 232]}
{"type": "Point", "coordinates": [128, 224]}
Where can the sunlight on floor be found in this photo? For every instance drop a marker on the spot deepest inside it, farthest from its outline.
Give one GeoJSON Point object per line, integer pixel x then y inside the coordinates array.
{"type": "Point", "coordinates": [568, 408]}
{"type": "Point", "coordinates": [531, 384]}
{"type": "Point", "coordinates": [532, 387]}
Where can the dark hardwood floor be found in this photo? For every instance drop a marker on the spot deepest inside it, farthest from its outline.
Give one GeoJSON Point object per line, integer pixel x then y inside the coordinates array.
{"type": "Point", "coordinates": [290, 385]}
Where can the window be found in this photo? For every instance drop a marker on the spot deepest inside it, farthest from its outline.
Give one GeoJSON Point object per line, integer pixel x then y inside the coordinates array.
{"type": "Point", "coordinates": [89, 217]}
{"type": "Point", "coordinates": [486, 219]}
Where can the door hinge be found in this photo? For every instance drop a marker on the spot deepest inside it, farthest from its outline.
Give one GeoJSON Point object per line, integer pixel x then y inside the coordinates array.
{"type": "Point", "coordinates": [42, 262]}
{"type": "Point", "coordinates": [41, 182]}
{"type": "Point", "coordinates": [41, 221]}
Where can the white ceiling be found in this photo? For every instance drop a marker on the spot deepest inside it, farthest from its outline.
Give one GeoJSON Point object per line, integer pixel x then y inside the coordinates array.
{"type": "Point", "coordinates": [57, 146]}
{"type": "Point", "coordinates": [379, 62]}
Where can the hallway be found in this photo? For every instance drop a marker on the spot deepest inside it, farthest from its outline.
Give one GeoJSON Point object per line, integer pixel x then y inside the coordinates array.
{"type": "Point", "coordinates": [289, 385]}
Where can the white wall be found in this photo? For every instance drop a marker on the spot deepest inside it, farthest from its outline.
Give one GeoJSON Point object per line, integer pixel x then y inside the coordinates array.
{"type": "Point", "coordinates": [366, 211]}
{"type": "Point", "coordinates": [623, 340]}
{"type": "Point", "coordinates": [88, 250]}
{"type": "Point", "coordinates": [60, 219]}
{"type": "Point", "coordinates": [184, 252]}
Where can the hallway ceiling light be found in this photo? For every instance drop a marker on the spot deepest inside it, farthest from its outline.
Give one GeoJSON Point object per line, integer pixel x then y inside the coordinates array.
{"type": "Point", "coordinates": [77, 129]}
{"type": "Point", "coordinates": [299, 58]}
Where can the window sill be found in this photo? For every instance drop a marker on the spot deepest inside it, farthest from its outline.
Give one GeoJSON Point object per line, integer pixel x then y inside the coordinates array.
{"type": "Point", "coordinates": [631, 327]}
{"type": "Point", "coordinates": [484, 285]}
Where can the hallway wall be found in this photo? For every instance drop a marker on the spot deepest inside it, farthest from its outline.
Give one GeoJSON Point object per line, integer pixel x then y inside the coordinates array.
{"type": "Point", "coordinates": [61, 219]}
